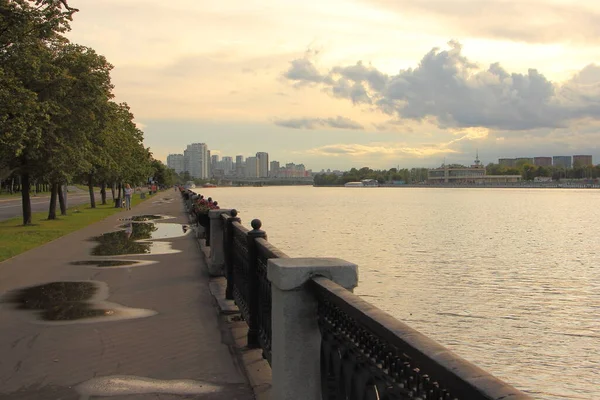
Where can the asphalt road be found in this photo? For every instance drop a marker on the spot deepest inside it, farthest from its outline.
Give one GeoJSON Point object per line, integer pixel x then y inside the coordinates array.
{"type": "Point", "coordinates": [10, 208]}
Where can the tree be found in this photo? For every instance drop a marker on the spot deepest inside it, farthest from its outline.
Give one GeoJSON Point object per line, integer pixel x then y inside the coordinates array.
{"type": "Point", "coordinates": [26, 32]}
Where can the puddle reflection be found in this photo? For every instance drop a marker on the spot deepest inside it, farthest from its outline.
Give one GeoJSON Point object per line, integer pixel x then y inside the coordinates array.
{"type": "Point", "coordinates": [134, 239]}
{"type": "Point", "coordinates": [70, 301]}
{"type": "Point", "coordinates": [105, 263]}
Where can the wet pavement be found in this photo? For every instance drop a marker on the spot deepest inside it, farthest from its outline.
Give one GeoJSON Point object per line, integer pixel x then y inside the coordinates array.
{"type": "Point", "coordinates": [119, 310]}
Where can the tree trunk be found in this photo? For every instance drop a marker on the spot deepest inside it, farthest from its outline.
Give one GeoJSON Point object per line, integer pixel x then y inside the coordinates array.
{"type": "Point", "coordinates": [52, 207]}
{"type": "Point", "coordinates": [91, 189]}
{"type": "Point", "coordinates": [103, 193]}
{"type": "Point", "coordinates": [25, 198]}
{"type": "Point", "coordinates": [112, 189]}
{"type": "Point", "coordinates": [62, 200]}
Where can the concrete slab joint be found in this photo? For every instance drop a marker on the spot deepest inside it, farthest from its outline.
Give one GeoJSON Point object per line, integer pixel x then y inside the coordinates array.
{"type": "Point", "coordinates": [296, 340]}
{"type": "Point", "coordinates": [217, 250]}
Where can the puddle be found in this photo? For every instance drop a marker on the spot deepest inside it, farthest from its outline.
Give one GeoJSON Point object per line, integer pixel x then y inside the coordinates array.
{"type": "Point", "coordinates": [113, 264]}
{"type": "Point", "coordinates": [146, 217]}
{"type": "Point", "coordinates": [123, 385]}
{"type": "Point", "coordinates": [71, 302]}
{"type": "Point", "coordinates": [166, 230]}
{"type": "Point", "coordinates": [105, 263]}
{"type": "Point", "coordinates": [135, 238]}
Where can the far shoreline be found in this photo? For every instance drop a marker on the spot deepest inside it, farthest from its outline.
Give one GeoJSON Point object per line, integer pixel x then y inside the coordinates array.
{"type": "Point", "coordinates": [531, 186]}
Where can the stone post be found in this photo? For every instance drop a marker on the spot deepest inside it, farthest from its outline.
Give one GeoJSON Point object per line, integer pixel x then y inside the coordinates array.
{"type": "Point", "coordinates": [296, 341]}
{"type": "Point", "coordinates": [217, 251]}
{"type": "Point", "coordinates": [228, 244]}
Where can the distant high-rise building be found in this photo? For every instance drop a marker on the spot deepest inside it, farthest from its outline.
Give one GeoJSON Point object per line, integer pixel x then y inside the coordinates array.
{"type": "Point", "coordinates": [208, 165]}
{"type": "Point", "coordinates": [227, 165]}
{"type": "Point", "coordinates": [542, 161]}
{"type": "Point", "coordinates": [252, 167]}
{"type": "Point", "coordinates": [196, 157]}
{"type": "Point", "coordinates": [263, 164]}
{"type": "Point", "coordinates": [240, 166]}
{"type": "Point", "coordinates": [175, 162]}
{"type": "Point", "coordinates": [274, 169]}
{"type": "Point", "coordinates": [582, 160]}
{"type": "Point", "coordinates": [562, 161]}
{"type": "Point", "coordinates": [507, 162]}
{"type": "Point", "coordinates": [524, 160]}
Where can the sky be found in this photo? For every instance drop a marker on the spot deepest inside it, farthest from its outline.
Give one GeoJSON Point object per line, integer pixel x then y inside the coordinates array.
{"type": "Point", "coordinates": [353, 83]}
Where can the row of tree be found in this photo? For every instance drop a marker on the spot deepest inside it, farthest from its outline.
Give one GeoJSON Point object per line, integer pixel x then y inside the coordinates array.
{"type": "Point", "coordinates": [410, 176]}
{"type": "Point", "coordinates": [419, 175]}
{"type": "Point", "coordinates": [529, 171]}
{"type": "Point", "coordinates": [58, 120]}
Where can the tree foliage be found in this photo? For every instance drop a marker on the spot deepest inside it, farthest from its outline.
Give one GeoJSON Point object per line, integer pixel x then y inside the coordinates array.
{"type": "Point", "coordinates": [57, 118]}
{"type": "Point", "coordinates": [411, 176]}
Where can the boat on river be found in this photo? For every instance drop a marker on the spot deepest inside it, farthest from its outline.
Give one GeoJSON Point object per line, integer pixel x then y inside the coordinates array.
{"type": "Point", "coordinates": [363, 183]}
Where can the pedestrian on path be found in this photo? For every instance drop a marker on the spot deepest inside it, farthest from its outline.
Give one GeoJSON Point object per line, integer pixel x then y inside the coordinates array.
{"type": "Point", "coordinates": [128, 194]}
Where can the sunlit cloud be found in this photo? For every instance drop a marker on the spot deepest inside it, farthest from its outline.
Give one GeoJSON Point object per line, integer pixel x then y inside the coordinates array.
{"type": "Point", "coordinates": [457, 92]}
{"type": "Point", "coordinates": [338, 122]}
{"type": "Point", "coordinates": [378, 149]}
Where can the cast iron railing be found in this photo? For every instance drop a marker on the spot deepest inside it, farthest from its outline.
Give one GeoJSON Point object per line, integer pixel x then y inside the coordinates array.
{"type": "Point", "coordinates": [368, 354]}
{"type": "Point", "coordinates": [246, 254]}
{"type": "Point", "coordinates": [365, 352]}
{"type": "Point", "coordinates": [265, 251]}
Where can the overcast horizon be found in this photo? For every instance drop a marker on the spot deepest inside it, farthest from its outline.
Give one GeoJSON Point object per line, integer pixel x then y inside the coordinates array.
{"type": "Point", "coordinates": [355, 83]}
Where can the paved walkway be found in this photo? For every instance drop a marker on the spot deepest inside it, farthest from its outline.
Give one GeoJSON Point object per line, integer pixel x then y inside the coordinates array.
{"type": "Point", "coordinates": [169, 344]}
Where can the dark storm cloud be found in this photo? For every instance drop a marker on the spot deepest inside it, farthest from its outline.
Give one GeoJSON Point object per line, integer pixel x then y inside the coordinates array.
{"type": "Point", "coordinates": [457, 93]}
{"type": "Point", "coordinates": [313, 123]}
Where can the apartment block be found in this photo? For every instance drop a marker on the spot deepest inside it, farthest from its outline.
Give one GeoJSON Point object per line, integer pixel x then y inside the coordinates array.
{"type": "Point", "coordinates": [507, 162]}
{"type": "Point", "coordinates": [582, 160]}
{"type": "Point", "coordinates": [562, 161]}
{"type": "Point", "coordinates": [542, 161]}
{"type": "Point", "coordinates": [175, 162]}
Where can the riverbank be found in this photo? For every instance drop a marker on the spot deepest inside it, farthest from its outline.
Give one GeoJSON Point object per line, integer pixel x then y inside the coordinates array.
{"type": "Point", "coordinates": [505, 186]}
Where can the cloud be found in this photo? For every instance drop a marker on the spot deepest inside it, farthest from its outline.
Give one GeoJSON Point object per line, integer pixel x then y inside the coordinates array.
{"type": "Point", "coordinates": [460, 94]}
{"type": "Point", "coordinates": [338, 122]}
{"type": "Point", "coordinates": [527, 21]}
{"type": "Point", "coordinates": [387, 150]}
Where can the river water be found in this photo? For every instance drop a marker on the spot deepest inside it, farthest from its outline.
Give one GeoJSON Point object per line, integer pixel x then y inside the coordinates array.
{"type": "Point", "coordinates": [507, 278]}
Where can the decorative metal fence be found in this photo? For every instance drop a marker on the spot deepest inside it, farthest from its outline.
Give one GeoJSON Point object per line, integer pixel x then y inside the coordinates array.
{"type": "Point", "coordinates": [368, 354]}
{"type": "Point", "coordinates": [246, 254]}
{"type": "Point", "coordinates": [365, 352]}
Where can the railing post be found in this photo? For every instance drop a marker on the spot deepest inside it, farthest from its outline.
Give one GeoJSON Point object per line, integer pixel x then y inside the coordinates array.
{"type": "Point", "coordinates": [228, 248]}
{"type": "Point", "coordinates": [296, 342]}
{"type": "Point", "coordinates": [253, 303]}
{"type": "Point", "coordinates": [217, 252]}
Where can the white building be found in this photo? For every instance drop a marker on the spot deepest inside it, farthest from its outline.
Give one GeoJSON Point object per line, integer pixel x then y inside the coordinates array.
{"type": "Point", "coordinates": [175, 162]}
{"type": "Point", "coordinates": [263, 164]}
{"type": "Point", "coordinates": [251, 167]}
{"type": "Point", "coordinates": [196, 159]}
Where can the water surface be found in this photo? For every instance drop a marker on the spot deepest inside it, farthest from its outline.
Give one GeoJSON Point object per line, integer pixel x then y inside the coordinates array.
{"type": "Point", "coordinates": [507, 278]}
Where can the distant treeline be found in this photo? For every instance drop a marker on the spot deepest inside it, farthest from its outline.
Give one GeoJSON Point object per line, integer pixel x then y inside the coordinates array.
{"type": "Point", "coordinates": [419, 175]}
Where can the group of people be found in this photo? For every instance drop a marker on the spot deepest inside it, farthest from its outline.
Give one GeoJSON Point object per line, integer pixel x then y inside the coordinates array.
{"type": "Point", "coordinates": [202, 205]}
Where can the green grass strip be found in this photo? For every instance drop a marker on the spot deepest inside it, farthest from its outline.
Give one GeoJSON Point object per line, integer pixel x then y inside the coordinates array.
{"type": "Point", "coordinates": [16, 238]}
